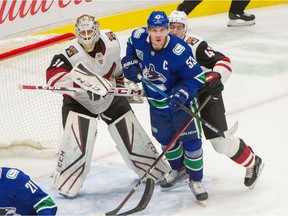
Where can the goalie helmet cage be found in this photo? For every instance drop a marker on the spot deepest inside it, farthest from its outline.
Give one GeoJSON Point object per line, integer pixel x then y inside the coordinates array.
{"type": "Point", "coordinates": [31, 122]}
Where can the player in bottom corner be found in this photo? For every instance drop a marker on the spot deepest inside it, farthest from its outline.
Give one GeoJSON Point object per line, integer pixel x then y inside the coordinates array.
{"type": "Point", "coordinates": [217, 71]}
{"type": "Point", "coordinates": [19, 195]}
{"type": "Point", "coordinates": [166, 61]}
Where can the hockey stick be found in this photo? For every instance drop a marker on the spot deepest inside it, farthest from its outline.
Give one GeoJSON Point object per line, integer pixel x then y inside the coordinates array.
{"type": "Point", "coordinates": [147, 194]}
{"type": "Point", "coordinates": [145, 199]}
{"type": "Point", "coordinates": [224, 134]}
{"type": "Point", "coordinates": [113, 90]}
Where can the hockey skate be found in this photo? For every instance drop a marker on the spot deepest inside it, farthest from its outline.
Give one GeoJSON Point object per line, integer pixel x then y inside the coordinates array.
{"type": "Point", "coordinates": [199, 191]}
{"type": "Point", "coordinates": [253, 173]}
{"type": "Point", "coordinates": [174, 179]}
{"type": "Point", "coordinates": [241, 19]}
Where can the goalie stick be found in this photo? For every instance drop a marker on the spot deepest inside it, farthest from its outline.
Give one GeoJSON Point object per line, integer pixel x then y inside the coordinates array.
{"type": "Point", "coordinates": [224, 134]}
{"type": "Point", "coordinates": [149, 188]}
{"type": "Point", "coordinates": [113, 90]}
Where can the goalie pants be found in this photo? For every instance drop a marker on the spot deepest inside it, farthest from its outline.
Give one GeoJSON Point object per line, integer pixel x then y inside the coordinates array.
{"type": "Point", "coordinates": [118, 107]}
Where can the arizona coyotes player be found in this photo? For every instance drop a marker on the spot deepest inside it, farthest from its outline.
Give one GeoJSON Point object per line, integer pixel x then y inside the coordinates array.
{"type": "Point", "coordinates": [92, 62]}
{"type": "Point", "coordinates": [218, 69]}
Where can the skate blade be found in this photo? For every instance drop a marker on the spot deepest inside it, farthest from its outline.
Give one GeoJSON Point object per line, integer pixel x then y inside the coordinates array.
{"type": "Point", "coordinates": [236, 23]}
{"type": "Point", "coordinates": [96, 214]}
{"type": "Point", "coordinates": [259, 174]}
{"type": "Point", "coordinates": [177, 185]}
{"type": "Point", "coordinates": [202, 202]}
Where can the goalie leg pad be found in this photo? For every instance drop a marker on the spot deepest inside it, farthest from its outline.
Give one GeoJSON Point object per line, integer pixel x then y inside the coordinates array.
{"type": "Point", "coordinates": [75, 154]}
{"type": "Point", "coordinates": [136, 148]}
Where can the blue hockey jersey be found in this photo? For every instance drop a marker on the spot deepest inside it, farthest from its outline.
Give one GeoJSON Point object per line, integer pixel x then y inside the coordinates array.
{"type": "Point", "coordinates": [19, 195]}
{"type": "Point", "coordinates": [167, 68]}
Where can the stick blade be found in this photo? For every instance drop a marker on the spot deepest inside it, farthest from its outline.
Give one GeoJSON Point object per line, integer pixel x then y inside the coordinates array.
{"type": "Point", "coordinates": [145, 199]}
{"type": "Point", "coordinates": [231, 131]}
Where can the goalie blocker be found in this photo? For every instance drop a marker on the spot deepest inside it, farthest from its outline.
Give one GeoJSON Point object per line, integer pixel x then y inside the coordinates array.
{"type": "Point", "coordinates": [77, 146]}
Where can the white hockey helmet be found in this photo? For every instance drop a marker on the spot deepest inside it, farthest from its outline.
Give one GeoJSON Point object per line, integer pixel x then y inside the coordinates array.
{"type": "Point", "coordinates": [179, 17]}
{"type": "Point", "coordinates": [88, 31]}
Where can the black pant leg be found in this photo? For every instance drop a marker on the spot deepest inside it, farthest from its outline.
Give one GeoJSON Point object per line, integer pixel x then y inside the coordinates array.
{"type": "Point", "coordinates": [188, 6]}
{"type": "Point", "coordinates": [69, 104]}
{"type": "Point", "coordinates": [238, 7]}
{"type": "Point", "coordinates": [214, 113]}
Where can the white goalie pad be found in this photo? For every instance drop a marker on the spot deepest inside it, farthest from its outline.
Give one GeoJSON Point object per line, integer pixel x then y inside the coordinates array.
{"type": "Point", "coordinates": [136, 148]}
{"type": "Point", "coordinates": [75, 154]}
{"type": "Point", "coordinates": [90, 81]}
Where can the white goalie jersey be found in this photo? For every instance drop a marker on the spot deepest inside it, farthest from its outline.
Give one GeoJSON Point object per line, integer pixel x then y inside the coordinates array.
{"type": "Point", "coordinates": [95, 72]}
{"type": "Point", "coordinates": [104, 61]}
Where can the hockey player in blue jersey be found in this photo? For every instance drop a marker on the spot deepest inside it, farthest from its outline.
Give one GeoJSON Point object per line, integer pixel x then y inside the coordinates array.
{"type": "Point", "coordinates": [19, 195]}
{"type": "Point", "coordinates": [167, 62]}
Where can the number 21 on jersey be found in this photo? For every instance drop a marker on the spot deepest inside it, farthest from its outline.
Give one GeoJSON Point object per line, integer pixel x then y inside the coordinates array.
{"type": "Point", "coordinates": [30, 185]}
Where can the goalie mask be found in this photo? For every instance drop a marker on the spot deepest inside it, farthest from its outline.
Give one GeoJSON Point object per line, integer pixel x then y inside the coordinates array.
{"type": "Point", "coordinates": [88, 31]}
{"type": "Point", "coordinates": [179, 17]}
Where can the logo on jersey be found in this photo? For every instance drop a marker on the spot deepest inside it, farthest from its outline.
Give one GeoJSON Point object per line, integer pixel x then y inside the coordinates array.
{"type": "Point", "coordinates": [192, 40]}
{"type": "Point", "coordinates": [12, 173]}
{"type": "Point", "coordinates": [71, 51]}
{"type": "Point", "coordinates": [139, 54]}
{"type": "Point", "coordinates": [100, 58]}
{"type": "Point", "coordinates": [111, 36]}
{"type": "Point", "coordinates": [178, 49]}
{"type": "Point", "coordinates": [8, 211]}
{"type": "Point", "coordinates": [151, 74]}
{"type": "Point", "coordinates": [137, 34]}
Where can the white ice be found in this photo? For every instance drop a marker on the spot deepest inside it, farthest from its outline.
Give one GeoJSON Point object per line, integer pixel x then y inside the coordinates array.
{"type": "Point", "coordinates": [256, 95]}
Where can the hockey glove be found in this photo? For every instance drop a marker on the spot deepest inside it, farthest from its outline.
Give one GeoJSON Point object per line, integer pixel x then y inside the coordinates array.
{"type": "Point", "coordinates": [213, 84]}
{"type": "Point", "coordinates": [180, 95]}
{"type": "Point", "coordinates": [93, 96]}
{"type": "Point", "coordinates": [131, 68]}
